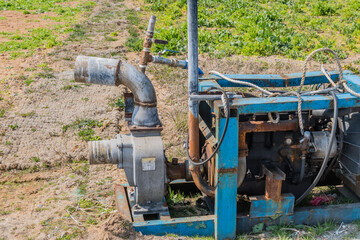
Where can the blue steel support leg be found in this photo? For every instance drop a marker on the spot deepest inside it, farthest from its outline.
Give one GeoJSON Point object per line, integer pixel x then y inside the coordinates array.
{"type": "Point", "coordinates": [226, 182]}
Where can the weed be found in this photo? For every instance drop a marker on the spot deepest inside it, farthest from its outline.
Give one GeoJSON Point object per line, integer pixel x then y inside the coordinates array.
{"type": "Point", "coordinates": [83, 123]}
{"type": "Point", "coordinates": [91, 221]}
{"type": "Point", "coordinates": [174, 198]}
{"type": "Point", "coordinates": [40, 209]}
{"type": "Point", "coordinates": [114, 34]}
{"type": "Point", "coordinates": [2, 112]}
{"type": "Point", "coordinates": [119, 103]}
{"type": "Point", "coordinates": [77, 33]}
{"type": "Point", "coordinates": [69, 87]}
{"type": "Point", "coordinates": [321, 228]}
{"type": "Point", "coordinates": [134, 42]}
{"type": "Point", "coordinates": [86, 203]}
{"type": "Point", "coordinates": [8, 143]}
{"type": "Point", "coordinates": [133, 18]}
{"type": "Point", "coordinates": [110, 39]}
{"type": "Point", "coordinates": [14, 127]}
{"type": "Point", "coordinates": [35, 159]}
{"type": "Point", "coordinates": [180, 121]}
{"type": "Point", "coordinates": [29, 114]}
{"type": "Point", "coordinates": [28, 81]}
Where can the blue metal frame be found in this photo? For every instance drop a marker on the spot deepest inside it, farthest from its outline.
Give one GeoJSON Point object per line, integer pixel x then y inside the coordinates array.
{"type": "Point", "coordinates": [225, 223]}
{"type": "Point", "coordinates": [226, 179]}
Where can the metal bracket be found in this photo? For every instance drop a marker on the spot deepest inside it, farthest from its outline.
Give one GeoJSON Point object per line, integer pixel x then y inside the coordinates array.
{"type": "Point", "coordinates": [274, 178]}
{"type": "Point", "coordinates": [210, 138]}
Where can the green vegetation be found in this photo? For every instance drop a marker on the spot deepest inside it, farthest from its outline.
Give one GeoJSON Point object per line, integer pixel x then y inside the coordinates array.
{"type": "Point", "coordinates": [292, 28]}
{"type": "Point", "coordinates": [13, 127]}
{"type": "Point", "coordinates": [173, 198]}
{"type": "Point", "coordinates": [36, 38]}
{"type": "Point", "coordinates": [35, 159]}
{"type": "Point", "coordinates": [25, 44]}
{"type": "Point", "coordinates": [85, 128]}
{"type": "Point", "coordinates": [119, 103]}
{"type": "Point", "coordinates": [43, 6]}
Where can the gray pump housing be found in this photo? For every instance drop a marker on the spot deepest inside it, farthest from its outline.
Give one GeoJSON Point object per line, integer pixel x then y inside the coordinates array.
{"type": "Point", "coordinates": [141, 155]}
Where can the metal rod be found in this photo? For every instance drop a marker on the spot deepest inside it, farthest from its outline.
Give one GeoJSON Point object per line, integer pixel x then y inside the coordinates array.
{"type": "Point", "coordinates": [212, 97]}
{"type": "Point", "coordinates": [193, 75]}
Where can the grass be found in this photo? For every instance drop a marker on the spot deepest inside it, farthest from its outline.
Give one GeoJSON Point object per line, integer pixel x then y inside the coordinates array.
{"type": "Point", "coordinates": [263, 28]}
{"type": "Point", "coordinates": [36, 38]}
{"type": "Point", "coordinates": [173, 197]}
{"type": "Point", "coordinates": [84, 128]}
{"type": "Point", "coordinates": [26, 43]}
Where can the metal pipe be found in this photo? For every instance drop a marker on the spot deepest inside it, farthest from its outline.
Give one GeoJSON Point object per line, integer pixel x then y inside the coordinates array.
{"type": "Point", "coordinates": [213, 97]}
{"type": "Point", "coordinates": [145, 54]}
{"type": "Point", "coordinates": [115, 72]}
{"type": "Point", "coordinates": [193, 85]}
{"type": "Point", "coordinates": [169, 61]}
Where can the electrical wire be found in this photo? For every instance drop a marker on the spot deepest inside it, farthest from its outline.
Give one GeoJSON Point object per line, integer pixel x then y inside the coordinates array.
{"type": "Point", "coordinates": [225, 100]}
{"type": "Point", "coordinates": [327, 155]}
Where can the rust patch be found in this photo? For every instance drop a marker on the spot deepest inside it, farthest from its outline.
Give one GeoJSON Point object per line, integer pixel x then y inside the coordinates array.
{"type": "Point", "coordinates": [110, 67]}
{"type": "Point", "coordinates": [261, 126]}
{"type": "Point", "coordinates": [286, 79]}
{"type": "Point", "coordinates": [227, 170]}
{"type": "Point", "coordinates": [122, 204]}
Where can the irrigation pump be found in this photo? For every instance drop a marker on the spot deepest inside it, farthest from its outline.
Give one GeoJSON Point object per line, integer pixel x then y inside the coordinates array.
{"type": "Point", "coordinates": [273, 148]}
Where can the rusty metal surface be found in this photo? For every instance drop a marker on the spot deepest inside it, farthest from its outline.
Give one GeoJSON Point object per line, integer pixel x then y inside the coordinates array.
{"type": "Point", "coordinates": [129, 106]}
{"type": "Point", "coordinates": [134, 128]}
{"type": "Point", "coordinates": [194, 153]}
{"type": "Point", "coordinates": [227, 170]}
{"type": "Point", "coordinates": [175, 170]}
{"type": "Point", "coordinates": [122, 202]}
{"type": "Point", "coordinates": [210, 138]}
{"type": "Point", "coordinates": [273, 189]}
{"type": "Point", "coordinates": [261, 126]}
{"type": "Point", "coordinates": [273, 184]}
{"type": "Point", "coordinates": [210, 165]}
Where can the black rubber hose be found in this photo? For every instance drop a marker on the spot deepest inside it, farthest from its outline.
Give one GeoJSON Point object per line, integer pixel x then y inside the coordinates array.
{"type": "Point", "coordinates": [327, 155]}
{"type": "Point", "coordinates": [222, 136]}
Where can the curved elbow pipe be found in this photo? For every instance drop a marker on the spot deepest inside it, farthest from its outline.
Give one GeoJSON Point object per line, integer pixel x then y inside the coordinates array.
{"type": "Point", "coordinates": [113, 72]}
{"type": "Point", "coordinates": [200, 183]}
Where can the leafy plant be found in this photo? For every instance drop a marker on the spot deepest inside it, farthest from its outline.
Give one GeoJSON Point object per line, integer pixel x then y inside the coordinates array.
{"type": "Point", "coordinates": [84, 128]}
{"type": "Point", "coordinates": [174, 198]}
{"type": "Point", "coordinates": [119, 103]}
{"type": "Point", "coordinates": [14, 127]}
{"type": "Point", "coordinates": [261, 28]}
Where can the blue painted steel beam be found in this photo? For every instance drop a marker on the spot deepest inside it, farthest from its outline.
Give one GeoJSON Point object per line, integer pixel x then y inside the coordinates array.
{"type": "Point", "coordinates": [226, 180]}
{"type": "Point", "coordinates": [276, 80]}
{"type": "Point", "coordinates": [286, 104]}
{"type": "Point", "coordinates": [353, 82]}
{"type": "Point", "coordinates": [190, 226]}
{"type": "Point", "coordinates": [204, 225]}
{"type": "Point", "coordinates": [263, 207]}
{"type": "Point", "coordinates": [338, 213]}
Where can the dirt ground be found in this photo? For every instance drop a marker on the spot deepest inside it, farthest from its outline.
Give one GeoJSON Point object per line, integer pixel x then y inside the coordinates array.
{"type": "Point", "coordinates": [45, 180]}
